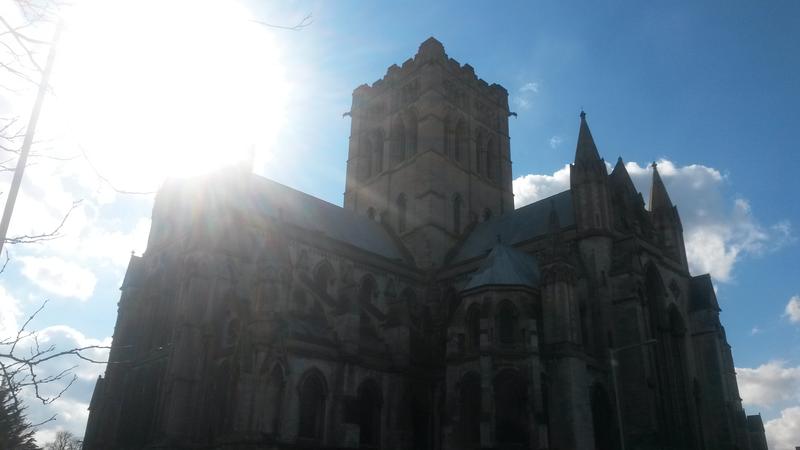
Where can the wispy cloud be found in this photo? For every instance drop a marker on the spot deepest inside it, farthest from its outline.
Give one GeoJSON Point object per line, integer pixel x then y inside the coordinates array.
{"type": "Point", "coordinates": [60, 277]}
{"type": "Point", "coordinates": [792, 310]}
{"type": "Point", "coordinates": [530, 87]}
{"type": "Point", "coordinates": [755, 330]}
{"type": "Point", "coordinates": [523, 98]}
{"type": "Point", "coordinates": [521, 102]}
{"type": "Point", "coordinates": [555, 141]}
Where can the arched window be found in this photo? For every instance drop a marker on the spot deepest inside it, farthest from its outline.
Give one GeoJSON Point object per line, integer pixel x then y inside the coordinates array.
{"type": "Point", "coordinates": [273, 400]}
{"type": "Point", "coordinates": [411, 134]}
{"type": "Point", "coordinates": [473, 327]}
{"type": "Point", "coordinates": [480, 154]}
{"type": "Point", "coordinates": [487, 214]}
{"type": "Point", "coordinates": [408, 297]}
{"type": "Point", "coordinates": [506, 323]}
{"type": "Point", "coordinates": [371, 213]}
{"type": "Point", "coordinates": [605, 428]}
{"type": "Point", "coordinates": [492, 160]}
{"type": "Point", "coordinates": [655, 300]}
{"type": "Point", "coordinates": [364, 163]}
{"type": "Point", "coordinates": [312, 407]}
{"type": "Point", "coordinates": [366, 293]}
{"type": "Point", "coordinates": [470, 401]}
{"type": "Point", "coordinates": [369, 412]}
{"type": "Point", "coordinates": [448, 145]}
{"type": "Point", "coordinates": [401, 213]}
{"type": "Point", "coordinates": [377, 152]}
{"type": "Point", "coordinates": [323, 276]}
{"type": "Point", "coordinates": [457, 214]}
{"type": "Point", "coordinates": [232, 332]}
{"type": "Point", "coordinates": [511, 423]}
{"type": "Point", "coordinates": [461, 141]}
{"type": "Point", "coordinates": [397, 153]}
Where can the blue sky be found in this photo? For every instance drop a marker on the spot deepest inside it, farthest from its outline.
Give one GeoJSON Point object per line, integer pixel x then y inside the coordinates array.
{"type": "Point", "coordinates": [709, 89]}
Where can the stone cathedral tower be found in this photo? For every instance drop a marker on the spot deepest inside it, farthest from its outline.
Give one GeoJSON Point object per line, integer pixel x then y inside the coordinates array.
{"type": "Point", "coordinates": [429, 152]}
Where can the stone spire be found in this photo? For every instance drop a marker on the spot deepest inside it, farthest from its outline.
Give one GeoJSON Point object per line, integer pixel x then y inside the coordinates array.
{"type": "Point", "coordinates": [586, 150]}
{"type": "Point", "coordinates": [659, 198]}
{"type": "Point", "coordinates": [621, 178]}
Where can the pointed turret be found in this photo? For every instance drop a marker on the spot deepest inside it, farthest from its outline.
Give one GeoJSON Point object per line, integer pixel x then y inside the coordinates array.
{"type": "Point", "coordinates": [621, 178]}
{"type": "Point", "coordinates": [628, 204]}
{"type": "Point", "coordinates": [659, 198]}
{"type": "Point", "coordinates": [586, 150]}
{"type": "Point", "coordinates": [666, 220]}
{"type": "Point", "coordinates": [588, 179]}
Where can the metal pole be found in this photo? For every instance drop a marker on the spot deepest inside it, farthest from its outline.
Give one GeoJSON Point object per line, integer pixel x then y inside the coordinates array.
{"type": "Point", "coordinates": [612, 353]}
{"type": "Point", "coordinates": [26, 144]}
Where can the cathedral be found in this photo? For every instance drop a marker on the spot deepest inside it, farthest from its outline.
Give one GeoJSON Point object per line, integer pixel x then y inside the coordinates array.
{"type": "Point", "coordinates": [427, 313]}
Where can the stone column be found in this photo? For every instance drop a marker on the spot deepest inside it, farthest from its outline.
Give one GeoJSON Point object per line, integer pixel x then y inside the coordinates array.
{"type": "Point", "coordinates": [569, 401]}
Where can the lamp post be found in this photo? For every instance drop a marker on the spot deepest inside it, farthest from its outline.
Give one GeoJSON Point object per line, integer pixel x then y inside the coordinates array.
{"type": "Point", "coordinates": [613, 355]}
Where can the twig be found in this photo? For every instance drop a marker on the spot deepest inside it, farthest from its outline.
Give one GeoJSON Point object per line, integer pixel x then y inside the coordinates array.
{"type": "Point", "coordinates": [106, 180]}
{"type": "Point", "coordinates": [29, 239]}
{"type": "Point", "coordinates": [306, 21]}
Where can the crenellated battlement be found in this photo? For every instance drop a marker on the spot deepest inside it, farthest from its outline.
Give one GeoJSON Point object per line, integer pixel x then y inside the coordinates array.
{"type": "Point", "coordinates": [431, 52]}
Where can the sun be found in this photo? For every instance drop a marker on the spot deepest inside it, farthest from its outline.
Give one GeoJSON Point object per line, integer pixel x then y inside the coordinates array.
{"type": "Point", "coordinates": [153, 89]}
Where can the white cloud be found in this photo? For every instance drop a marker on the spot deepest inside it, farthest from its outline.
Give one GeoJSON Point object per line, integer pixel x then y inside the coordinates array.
{"type": "Point", "coordinates": [521, 102]}
{"type": "Point", "coordinates": [555, 141]}
{"type": "Point", "coordinates": [530, 188]}
{"type": "Point", "coordinates": [769, 384]}
{"type": "Point", "coordinates": [58, 276]}
{"type": "Point", "coordinates": [9, 314]}
{"type": "Point", "coordinates": [530, 87]}
{"type": "Point", "coordinates": [783, 433]}
{"type": "Point", "coordinates": [97, 244]}
{"type": "Point", "coordinates": [718, 231]}
{"type": "Point", "coordinates": [793, 309]}
{"type": "Point", "coordinates": [524, 97]}
{"type": "Point", "coordinates": [755, 330]}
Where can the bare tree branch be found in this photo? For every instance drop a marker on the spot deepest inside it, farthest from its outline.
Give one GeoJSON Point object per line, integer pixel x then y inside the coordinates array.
{"type": "Point", "coordinates": [19, 368]}
{"type": "Point", "coordinates": [106, 180]}
{"type": "Point", "coordinates": [18, 37]}
{"type": "Point", "coordinates": [55, 234]}
{"type": "Point", "coordinates": [306, 21]}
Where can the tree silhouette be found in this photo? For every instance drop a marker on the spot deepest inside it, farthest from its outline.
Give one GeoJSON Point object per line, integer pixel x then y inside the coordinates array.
{"type": "Point", "coordinates": [64, 441]}
{"type": "Point", "coordinates": [15, 430]}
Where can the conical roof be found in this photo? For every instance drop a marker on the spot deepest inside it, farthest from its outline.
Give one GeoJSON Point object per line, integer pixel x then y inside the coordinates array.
{"type": "Point", "coordinates": [621, 177]}
{"type": "Point", "coordinates": [586, 150]}
{"type": "Point", "coordinates": [659, 198]}
{"type": "Point", "coordinates": [506, 266]}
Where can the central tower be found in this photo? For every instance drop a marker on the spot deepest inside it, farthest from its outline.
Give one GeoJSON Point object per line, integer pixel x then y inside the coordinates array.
{"type": "Point", "coordinates": [429, 152]}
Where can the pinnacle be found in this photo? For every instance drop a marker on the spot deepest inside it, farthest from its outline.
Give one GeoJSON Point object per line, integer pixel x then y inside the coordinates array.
{"type": "Point", "coordinates": [619, 163]}
{"type": "Point", "coordinates": [586, 150]}
{"type": "Point", "coordinates": [621, 176]}
{"type": "Point", "coordinates": [659, 198]}
{"type": "Point", "coordinates": [431, 48]}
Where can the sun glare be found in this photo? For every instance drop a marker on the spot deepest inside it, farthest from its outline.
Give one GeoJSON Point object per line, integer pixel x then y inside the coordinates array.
{"type": "Point", "coordinates": [151, 89]}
